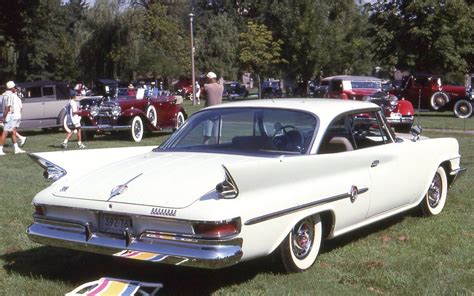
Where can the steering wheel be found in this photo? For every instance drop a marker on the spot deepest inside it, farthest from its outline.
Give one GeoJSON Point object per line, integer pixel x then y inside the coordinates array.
{"type": "Point", "coordinates": [292, 139]}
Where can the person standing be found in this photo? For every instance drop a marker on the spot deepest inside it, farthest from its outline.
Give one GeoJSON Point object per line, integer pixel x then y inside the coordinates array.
{"type": "Point", "coordinates": [11, 117]}
{"type": "Point", "coordinates": [18, 96]}
{"type": "Point", "coordinates": [75, 119]}
{"type": "Point", "coordinates": [197, 90]}
{"type": "Point", "coordinates": [213, 94]}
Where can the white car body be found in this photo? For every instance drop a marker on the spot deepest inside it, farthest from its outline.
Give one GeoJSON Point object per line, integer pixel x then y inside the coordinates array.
{"type": "Point", "coordinates": [166, 193]}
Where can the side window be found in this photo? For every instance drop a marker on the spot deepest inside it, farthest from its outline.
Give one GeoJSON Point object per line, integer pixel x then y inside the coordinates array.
{"type": "Point", "coordinates": [369, 130]}
{"type": "Point", "coordinates": [338, 137]}
{"type": "Point", "coordinates": [48, 91]}
{"type": "Point", "coordinates": [355, 131]}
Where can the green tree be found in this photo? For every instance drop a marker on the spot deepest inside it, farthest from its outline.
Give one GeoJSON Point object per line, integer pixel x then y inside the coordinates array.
{"type": "Point", "coordinates": [259, 53]}
{"type": "Point", "coordinates": [429, 36]}
{"type": "Point", "coordinates": [216, 46]}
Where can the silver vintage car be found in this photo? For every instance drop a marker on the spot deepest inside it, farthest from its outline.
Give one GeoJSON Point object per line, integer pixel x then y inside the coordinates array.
{"type": "Point", "coordinates": [43, 103]}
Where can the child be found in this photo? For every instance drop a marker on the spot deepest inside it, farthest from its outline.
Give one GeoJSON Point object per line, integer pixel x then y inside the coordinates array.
{"type": "Point", "coordinates": [73, 116]}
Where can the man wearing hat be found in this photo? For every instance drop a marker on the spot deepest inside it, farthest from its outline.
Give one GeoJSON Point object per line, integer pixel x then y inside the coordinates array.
{"type": "Point", "coordinates": [213, 95]}
{"type": "Point", "coordinates": [11, 116]}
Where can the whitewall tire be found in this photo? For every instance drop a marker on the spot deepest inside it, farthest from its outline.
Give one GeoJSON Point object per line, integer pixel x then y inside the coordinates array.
{"type": "Point", "coordinates": [152, 115]}
{"type": "Point", "coordinates": [136, 129]}
{"type": "Point", "coordinates": [438, 100]}
{"type": "Point", "coordinates": [435, 199]}
{"type": "Point", "coordinates": [301, 246]}
{"type": "Point", "coordinates": [462, 109]}
{"type": "Point", "coordinates": [179, 120]}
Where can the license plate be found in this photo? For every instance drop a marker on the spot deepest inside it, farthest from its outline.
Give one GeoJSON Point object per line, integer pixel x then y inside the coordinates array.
{"type": "Point", "coordinates": [114, 223]}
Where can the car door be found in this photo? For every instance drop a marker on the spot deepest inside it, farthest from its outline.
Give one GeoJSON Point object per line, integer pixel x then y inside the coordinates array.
{"type": "Point", "coordinates": [390, 167]}
{"type": "Point", "coordinates": [53, 105]}
{"type": "Point", "coordinates": [345, 170]}
{"type": "Point", "coordinates": [33, 108]}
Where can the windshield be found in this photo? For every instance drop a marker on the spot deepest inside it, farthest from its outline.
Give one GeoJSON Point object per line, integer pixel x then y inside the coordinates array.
{"type": "Point", "coordinates": [366, 84]}
{"type": "Point", "coordinates": [246, 130]}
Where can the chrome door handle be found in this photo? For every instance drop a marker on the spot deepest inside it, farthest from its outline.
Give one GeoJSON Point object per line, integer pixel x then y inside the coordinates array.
{"type": "Point", "coordinates": [374, 163]}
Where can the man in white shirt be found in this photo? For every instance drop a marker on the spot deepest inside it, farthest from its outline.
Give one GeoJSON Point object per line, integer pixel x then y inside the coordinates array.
{"type": "Point", "coordinates": [11, 117]}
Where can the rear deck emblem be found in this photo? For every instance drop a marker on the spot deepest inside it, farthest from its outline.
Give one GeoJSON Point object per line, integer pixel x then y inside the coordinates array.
{"type": "Point", "coordinates": [117, 190]}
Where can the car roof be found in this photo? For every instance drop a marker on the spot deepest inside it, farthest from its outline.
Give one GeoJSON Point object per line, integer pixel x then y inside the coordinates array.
{"type": "Point", "coordinates": [325, 109]}
{"type": "Point", "coordinates": [353, 78]}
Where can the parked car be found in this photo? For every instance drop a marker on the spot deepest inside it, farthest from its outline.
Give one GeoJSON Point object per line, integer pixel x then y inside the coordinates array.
{"type": "Point", "coordinates": [276, 175]}
{"type": "Point", "coordinates": [399, 113]}
{"type": "Point", "coordinates": [234, 90]}
{"type": "Point", "coordinates": [428, 92]}
{"type": "Point", "coordinates": [43, 103]}
{"type": "Point", "coordinates": [116, 110]}
{"type": "Point", "coordinates": [271, 89]}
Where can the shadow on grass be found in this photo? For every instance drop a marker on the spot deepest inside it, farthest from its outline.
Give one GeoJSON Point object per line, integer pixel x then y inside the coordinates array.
{"type": "Point", "coordinates": [75, 267]}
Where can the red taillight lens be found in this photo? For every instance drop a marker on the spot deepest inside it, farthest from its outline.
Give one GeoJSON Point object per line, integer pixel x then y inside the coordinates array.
{"type": "Point", "coordinates": [216, 230]}
{"type": "Point", "coordinates": [39, 210]}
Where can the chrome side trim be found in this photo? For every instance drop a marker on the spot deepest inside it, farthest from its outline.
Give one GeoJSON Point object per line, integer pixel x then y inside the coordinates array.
{"type": "Point", "coordinates": [203, 253]}
{"type": "Point", "coordinates": [301, 207]}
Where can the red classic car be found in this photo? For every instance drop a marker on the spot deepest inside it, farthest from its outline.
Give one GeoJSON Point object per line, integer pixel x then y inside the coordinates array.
{"type": "Point", "coordinates": [399, 113]}
{"type": "Point", "coordinates": [121, 112]}
{"type": "Point", "coordinates": [427, 92]}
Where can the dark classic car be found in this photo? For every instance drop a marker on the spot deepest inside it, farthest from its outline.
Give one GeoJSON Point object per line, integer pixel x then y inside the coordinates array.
{"type": "Point", "coordinates": [427, 92]}
{"type": "Point", "coordinates": [234, 90]}
{"type": "Point", "coordinates": [118, 111]}
{"type": "Point", "coordinates": [399, 113]}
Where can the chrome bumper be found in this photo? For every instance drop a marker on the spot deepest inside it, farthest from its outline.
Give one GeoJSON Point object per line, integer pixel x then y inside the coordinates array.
{"type": "Point", "coordinates": [400, 120]}
{"type": "Point", "coordinates": [455, 174]}
{"type": "Point", "coordinates": [186, 252]}
{"type": "Point", "coordinates": [106, 127]}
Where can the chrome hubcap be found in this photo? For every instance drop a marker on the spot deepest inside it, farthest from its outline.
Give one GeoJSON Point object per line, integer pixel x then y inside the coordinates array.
{"type": "Point", "coordinates": [440, 101]}
{"type": "Point", "coordinates": [302, 239]}
{"type": "Point", "coordinates": [151, 116]}
{"type": "Point", "coordinates": [137, 129]}
{"type": "Point", "coordinates": [434, 192]}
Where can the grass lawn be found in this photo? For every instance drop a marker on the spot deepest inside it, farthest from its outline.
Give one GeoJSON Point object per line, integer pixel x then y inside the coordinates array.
{"type": "Point", "coordinates": [404, 255]}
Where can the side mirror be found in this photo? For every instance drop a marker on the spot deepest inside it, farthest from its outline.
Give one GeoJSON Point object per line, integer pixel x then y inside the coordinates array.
{"type": "Point", "coordinates": [416, 132]}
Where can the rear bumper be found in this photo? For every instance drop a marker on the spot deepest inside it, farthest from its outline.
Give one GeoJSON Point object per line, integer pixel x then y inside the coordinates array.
{"type": "Point", "coordinates": [147, 246]}
{"type": "Point", "coordinates": [400, 120]}
{"type": "Point", "coordinates": [455, 174]}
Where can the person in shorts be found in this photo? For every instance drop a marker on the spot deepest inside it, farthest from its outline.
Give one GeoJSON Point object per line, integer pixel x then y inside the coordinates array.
{"type": "Point", "coordinates": [73, 117]}
{"type": "Point", "coordinates": [11, 117]}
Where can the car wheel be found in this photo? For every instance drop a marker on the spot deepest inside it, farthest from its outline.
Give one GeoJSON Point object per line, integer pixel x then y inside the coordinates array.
{"type": "Point", "coordinates": [434, 200]}
{"type": "Point", "coordinates": [301, 246]}
{"type": "Point", "coordinates": [136, 129]}
{"type": "Point", "coordinates": [179, 120]}
{"type": "Point", "coordinates": [152, 115]}
{"type": "Point", "coordinates": [462, 109]}
{"type": "Point", "coordinates": [438, 100]}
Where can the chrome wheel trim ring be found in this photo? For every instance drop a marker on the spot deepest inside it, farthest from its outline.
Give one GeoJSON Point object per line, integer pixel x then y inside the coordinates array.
{"type": "Point", "coordinates": [302, 237]}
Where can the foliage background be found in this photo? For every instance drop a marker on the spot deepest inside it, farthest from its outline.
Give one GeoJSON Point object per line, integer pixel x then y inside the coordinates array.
{"type": "Point", "coordinates": [131, 39]}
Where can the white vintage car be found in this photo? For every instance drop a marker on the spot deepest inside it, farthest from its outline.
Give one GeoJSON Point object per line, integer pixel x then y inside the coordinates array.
{"type": "Point", "coordinates": [240, 181]}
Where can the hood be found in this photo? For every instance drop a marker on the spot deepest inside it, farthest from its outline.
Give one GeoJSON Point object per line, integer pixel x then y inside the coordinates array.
{"type": "Point", "coordinates": [454, 89]}
{"type": "Point", "coordinates": [158, 179]}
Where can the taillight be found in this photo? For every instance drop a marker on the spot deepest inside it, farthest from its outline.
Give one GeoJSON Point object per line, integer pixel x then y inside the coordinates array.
{"type": "Point", "coordinates": [217, 229]}
{"type": "Point", "coordinates": [39, 210]}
